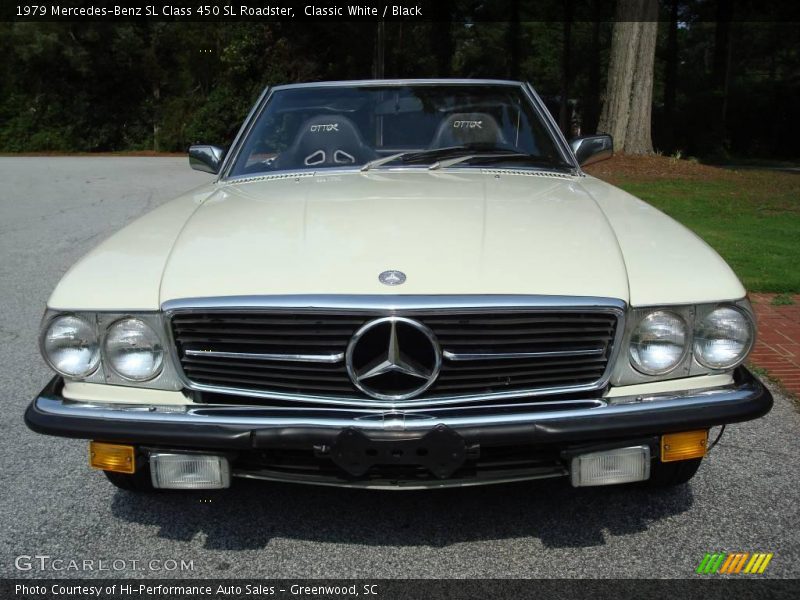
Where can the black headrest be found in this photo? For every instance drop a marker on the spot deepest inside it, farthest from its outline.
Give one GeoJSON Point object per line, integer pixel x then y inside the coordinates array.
{"type": "Point", "coordinates": [326, 139]}
{"type": "Point", "coordinates": [464, 129]}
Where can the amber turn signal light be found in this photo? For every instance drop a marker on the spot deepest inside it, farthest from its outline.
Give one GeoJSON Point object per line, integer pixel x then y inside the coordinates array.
{"type": "Point", "coordinates": [683, 446]}
{"type": "Point", "coordinates": [112, 457]}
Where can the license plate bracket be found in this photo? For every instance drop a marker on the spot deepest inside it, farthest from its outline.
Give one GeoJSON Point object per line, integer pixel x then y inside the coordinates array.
{"type": "Point", "coordinates": [441, 450]}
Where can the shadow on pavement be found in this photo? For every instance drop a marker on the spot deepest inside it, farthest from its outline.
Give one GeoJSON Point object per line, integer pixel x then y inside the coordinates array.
{"type": "Point", "coordinates": [251, 513]}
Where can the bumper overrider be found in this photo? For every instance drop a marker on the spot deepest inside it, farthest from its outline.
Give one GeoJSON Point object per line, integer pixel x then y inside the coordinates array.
{"type": "Point", "coordinates": [430, 447]}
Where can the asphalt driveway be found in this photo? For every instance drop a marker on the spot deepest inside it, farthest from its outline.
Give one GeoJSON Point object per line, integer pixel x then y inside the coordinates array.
{"type": "Point", "coordinates": [53, 210]}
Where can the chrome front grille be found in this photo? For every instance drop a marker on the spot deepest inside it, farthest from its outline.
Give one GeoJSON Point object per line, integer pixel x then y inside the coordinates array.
{"type": "Point", "coordinates": [217, 348]}
{"type": "Point", "coordinates": [521, 351]}
{"type": "Point", "coordinates": [300, 354]}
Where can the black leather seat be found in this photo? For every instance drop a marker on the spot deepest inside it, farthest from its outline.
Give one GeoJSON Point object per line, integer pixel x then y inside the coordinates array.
{"type": "Point", "coordinates": [467, 129]}
{"type": "Point", "coordinates": [325, 141]}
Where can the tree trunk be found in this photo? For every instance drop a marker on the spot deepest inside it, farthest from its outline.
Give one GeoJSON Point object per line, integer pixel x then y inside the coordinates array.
{"type": "Point", "coordinates": [726, 86]}
{"type": "Point", "coordinates": [638, 139]}
{"type": "Point", "coordinates": [157, 98]}
{"type": "Point", "coordinates": [720, 72]}
{"type": "Point", "coordinates": [591, 109]}
{"type": "Point", "coordinates": [671, 78]}
{"type": "Point", "coordinates": [564, 116]}
{"type": "Point", "coordinates": [513, 34]}
{"type": "Point", "coordinates": [627, 107]}
{"type": "Point", "coordinates": [398, 52]}
{"type": "Point", "coordinates": [378, 62]}
{"type": "Point", "coordinates": [442, 38]}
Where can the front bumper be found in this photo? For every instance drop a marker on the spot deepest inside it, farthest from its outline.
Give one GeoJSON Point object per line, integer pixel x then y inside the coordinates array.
{"type": "Point", "coordinates": [558, 424]}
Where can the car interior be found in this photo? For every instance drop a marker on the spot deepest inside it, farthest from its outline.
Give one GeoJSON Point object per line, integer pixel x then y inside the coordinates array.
{"type": "Point", "coordinates": [344, 130]}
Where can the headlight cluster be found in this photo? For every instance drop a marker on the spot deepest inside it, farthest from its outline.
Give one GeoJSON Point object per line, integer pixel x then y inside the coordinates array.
{"type": "Point", "coordinates": [723, 338]}
{"type": "Point", "coordinates": [133, 350]}
{"type": "Point", "coordinates": [662, 338]}
{"type": "Point", "coordinates": [129, 347]}
{"type": "Point", "coordinates": [658, 343]}
{"type": "Point", "coordinates": [71, 347]}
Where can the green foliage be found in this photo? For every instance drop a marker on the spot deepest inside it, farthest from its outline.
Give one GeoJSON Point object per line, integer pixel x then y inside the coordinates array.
{"type": "Point", "coordinates": [129, 85]}
{"type": "Point", "coordinates": [782, 300]}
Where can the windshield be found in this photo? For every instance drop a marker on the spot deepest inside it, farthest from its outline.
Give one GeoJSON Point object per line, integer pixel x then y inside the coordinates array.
{"type": "Point", "coordinates": [367, 127]}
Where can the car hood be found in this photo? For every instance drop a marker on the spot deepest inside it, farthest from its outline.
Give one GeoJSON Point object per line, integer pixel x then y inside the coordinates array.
{"type": "Point", "coordinates": [450, 233]}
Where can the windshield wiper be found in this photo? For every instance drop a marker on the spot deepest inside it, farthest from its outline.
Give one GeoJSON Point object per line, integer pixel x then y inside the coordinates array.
{"type": "Point", "coordinates": [495, 157]}
{"type": "Point", "coordinates": [382, 161]}
{"type": "Point", "coordinates": [453, 155]}
{"type": "Point", "coordinates": [430, 154]}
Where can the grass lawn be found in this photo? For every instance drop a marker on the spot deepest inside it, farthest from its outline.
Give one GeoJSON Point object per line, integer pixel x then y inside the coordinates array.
{"type": "Point", "coordinates": [752, 218]}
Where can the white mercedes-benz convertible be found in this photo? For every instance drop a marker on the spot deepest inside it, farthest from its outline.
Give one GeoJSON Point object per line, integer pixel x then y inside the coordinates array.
{"type": "Point", "coordinates": [398, 284]}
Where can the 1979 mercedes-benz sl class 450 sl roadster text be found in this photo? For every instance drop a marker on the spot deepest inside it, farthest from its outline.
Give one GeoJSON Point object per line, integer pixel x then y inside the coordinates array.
{"type": "Point", "coordinates": [398, 284]}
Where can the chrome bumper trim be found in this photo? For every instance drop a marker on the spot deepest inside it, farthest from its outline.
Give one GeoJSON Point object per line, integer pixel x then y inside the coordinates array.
{"type": "Point", "coordinates": [494, 415]}
{"type": "Point", "coordinates": [395, 484]}
{"type": "Point", "coordinates": [553, 423]}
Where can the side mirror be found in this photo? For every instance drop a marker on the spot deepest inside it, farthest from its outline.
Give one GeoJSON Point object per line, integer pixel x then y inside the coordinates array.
{"type": "Point", "coordinates": [592, 148]}
{"type": "Point", "coordinates": [206, 158]}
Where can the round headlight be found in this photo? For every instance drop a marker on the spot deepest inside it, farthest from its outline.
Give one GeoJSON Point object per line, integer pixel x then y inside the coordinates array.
{"type": "Point", "coordinates": [658, 343]}
{"type": "Point", "coordinates": [133, 350]}
{"type": "Point", "coordinates": [70, 346]}
{"type": "Point", "coordinates": [723, 338]}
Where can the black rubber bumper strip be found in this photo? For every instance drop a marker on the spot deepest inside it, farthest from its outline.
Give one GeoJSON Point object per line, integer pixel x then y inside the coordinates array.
{"type": "Point", "coordinates": [134, 432]}
{"type": "Point", "coordinates": [747, 399]}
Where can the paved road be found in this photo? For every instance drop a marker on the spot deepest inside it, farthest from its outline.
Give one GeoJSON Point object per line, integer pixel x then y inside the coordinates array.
{"type": "Point", "coordinates": [52, 210]}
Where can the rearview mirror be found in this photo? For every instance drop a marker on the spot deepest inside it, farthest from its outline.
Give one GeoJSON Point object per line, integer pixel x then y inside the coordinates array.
{"type": "Point", "coordinates": [206, 158]}
{"type": "Point", "coordinates": [592, 148]}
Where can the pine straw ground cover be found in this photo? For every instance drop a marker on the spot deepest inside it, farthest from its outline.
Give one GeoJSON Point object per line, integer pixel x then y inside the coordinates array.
{"type": "Point", "coordinates": [751, 217]}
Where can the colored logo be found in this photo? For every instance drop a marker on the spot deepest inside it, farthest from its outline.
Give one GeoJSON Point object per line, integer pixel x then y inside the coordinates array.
{"type": "Point", "coordinates": [722, 563]}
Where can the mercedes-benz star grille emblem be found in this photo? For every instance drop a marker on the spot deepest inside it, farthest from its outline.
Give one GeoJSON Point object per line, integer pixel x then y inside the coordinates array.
{"type": "Point", "coordinates": [392, 277]}
{"type": "Point", "coordinates": [393, 358]}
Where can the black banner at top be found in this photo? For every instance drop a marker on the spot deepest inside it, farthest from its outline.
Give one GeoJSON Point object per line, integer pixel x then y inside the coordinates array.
{"type": "Point", "coordinates": [464, 11]}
